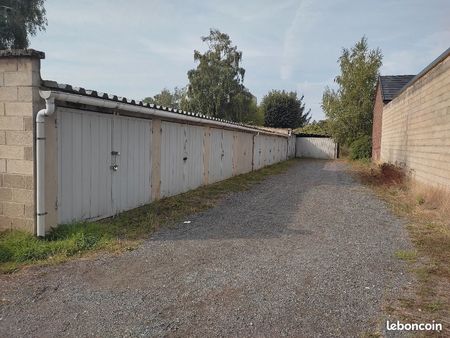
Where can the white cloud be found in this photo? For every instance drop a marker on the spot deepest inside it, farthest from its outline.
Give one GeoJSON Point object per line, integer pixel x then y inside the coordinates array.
{"type": "Point", "coordinates": [293, 42]}
{"type": "Point", "coordinates": [421, 53]}
{"type": "Point", "coordinates": [313, 90]}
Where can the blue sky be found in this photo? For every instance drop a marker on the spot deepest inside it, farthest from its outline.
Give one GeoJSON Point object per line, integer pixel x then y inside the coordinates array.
{"type": "Point", "coordinates": [135, 48]}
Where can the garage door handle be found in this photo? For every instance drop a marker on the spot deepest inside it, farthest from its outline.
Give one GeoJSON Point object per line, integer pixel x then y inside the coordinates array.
{"type": "Point", "coordinates": [114, 167]}
{"type": "Point", "coordinates": [115, 153]}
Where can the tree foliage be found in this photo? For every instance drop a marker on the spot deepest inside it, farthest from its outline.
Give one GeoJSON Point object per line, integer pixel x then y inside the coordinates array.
{"type": "Point", "coordinates": [176, 99]}
{"type": "Point", "coordinates": [349, 107]}
{"type": "Point", "coordinates": [216, 85]}
{"type": "Point", "coordinates": [284, 110]}
{"type": "Point", "coordinates": [316, 128]}
{"type": "Point", "coordinates": [361, 148]}
{"type": "Point", "coordinates": [244, 108]}
{"type": "Point", "coordinates": [20, 19]}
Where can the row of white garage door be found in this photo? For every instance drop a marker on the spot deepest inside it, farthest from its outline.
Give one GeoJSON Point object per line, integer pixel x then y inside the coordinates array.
{"type": "Point", "coordinates": [105, 161]}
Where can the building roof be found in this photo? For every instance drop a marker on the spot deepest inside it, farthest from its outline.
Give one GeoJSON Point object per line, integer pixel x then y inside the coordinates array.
{"type": "Point", "coordinates": [55, 86]}
{"type": "Point", "coordinates": [22, 52]}
{"type": "Point", "coordinates": [311, 135]}
{"type": "Point", "coordinates": [391, 85]}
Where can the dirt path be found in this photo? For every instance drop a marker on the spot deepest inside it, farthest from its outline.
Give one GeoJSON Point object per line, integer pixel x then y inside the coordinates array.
{"type": "Point", "coordinates": [305, 253]}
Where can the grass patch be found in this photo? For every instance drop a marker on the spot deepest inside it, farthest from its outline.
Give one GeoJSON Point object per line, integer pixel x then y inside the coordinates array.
{"type": "Point", "coordinates": [123, 232]}
{"type": "Point", "coordinates": [406, 255]}
{"type": "Point", "coordinates": [428, 212]}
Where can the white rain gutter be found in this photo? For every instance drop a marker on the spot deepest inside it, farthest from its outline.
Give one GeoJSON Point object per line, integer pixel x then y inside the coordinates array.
{"type": "Point", "coordinates": [40, 162]}
{"type": "Point", "coordinates": [99, 102]}
{"type": "Point", "coordinates": [51, 96]}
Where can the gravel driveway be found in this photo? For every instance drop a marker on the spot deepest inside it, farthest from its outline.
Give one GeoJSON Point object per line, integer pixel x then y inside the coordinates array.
{"type": "Point", "coordinates": [306, 253]}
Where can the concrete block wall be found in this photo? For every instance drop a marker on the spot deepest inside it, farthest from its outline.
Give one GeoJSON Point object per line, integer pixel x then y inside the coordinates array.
{"type": "Point", "coordinates": [376, 125]}
{"type": "Point", "coordinates": [416, 127]}
{"type": "Point", "coordinates": [19, 100]}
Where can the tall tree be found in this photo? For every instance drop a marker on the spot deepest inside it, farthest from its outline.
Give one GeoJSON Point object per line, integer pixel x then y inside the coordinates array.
{"type": "Point", "coordinates": [176, 99]}
{"type": "Point", "coordinates": [315, 127]}
{"type": "Point", "coordinates": [243, 107]}
{"type": "Point", "coordinates": [218, 78]}
{"type": "Point", "coordinates": [349, 107]}
{"type": "Point", "coordinates": [284, 110]}
{"type": "Point", "coordinates": [20, 19]}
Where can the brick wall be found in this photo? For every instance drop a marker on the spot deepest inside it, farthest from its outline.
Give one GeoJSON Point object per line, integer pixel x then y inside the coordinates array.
{"type": "Point", "coordinates": [19, 100]}
{"type": "Point", "coordinates": [416, 127]}
{"type": "Point", "coordinates": [376, 127]}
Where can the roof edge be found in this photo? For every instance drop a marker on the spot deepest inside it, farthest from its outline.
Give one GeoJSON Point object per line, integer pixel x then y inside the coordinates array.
{"type": "Point", "coordinates": [7, 53]}
{"type": "Point", "coordinates": [312, 135]}
{"type": "Point", "coordinates": [382, 89]}
{"type": "Point", "coordinates": [75, 92]}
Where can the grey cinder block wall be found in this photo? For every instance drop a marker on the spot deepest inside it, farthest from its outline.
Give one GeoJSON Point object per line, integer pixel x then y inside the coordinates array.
{"type": "Point", "coordinates": [416, 125]}
{"type": "Point", "coordinates": [19, 100]}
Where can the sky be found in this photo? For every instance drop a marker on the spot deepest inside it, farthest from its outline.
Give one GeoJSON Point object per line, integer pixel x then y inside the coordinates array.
{"type": "Point", "coordinates": [135, 48]}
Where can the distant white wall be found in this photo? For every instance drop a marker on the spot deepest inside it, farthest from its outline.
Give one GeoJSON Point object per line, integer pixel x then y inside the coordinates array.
{"type": "Point", "coordinates": [316, 147]}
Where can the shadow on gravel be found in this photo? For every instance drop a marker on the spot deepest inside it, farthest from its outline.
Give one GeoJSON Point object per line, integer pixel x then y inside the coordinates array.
{"type": "Point", "coordinates": [306, 253]}
{"type": "Point", "coordinates": [268, 213]}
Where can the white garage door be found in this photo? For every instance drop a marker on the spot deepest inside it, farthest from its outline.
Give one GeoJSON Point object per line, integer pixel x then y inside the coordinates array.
{"type": "Point", "coordinates": [104, 164]}
{"type": "Point", "coordinates": [316, 147]}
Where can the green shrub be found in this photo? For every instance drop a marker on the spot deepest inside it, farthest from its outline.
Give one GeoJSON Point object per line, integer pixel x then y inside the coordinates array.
{"type": "Point", "coordinates": [361, 148]}
{"type": "Point", "coordinates": [284, 110]}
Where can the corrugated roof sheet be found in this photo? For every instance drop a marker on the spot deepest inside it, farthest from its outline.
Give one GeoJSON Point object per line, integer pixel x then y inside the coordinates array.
{"type": "Point", "coordinates": [393, 84]}
{"type": "Point", "coordinates": [53, 85]}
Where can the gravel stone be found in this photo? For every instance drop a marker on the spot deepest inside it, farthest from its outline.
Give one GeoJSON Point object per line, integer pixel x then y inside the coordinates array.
{"type": "Point", "coordinates": [309, 253]}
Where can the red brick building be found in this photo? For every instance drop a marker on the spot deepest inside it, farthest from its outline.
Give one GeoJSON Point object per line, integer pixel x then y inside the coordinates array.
{"type": "Point", "coordinates": [387, 88]}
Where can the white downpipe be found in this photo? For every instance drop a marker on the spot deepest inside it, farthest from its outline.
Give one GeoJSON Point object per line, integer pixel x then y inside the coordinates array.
{"type": "Point", "coordinates": [40, 163]}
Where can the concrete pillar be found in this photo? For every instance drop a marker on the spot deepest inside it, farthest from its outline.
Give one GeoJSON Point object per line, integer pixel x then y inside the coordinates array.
{"type": "Point", "coordinates": [19, 100]}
